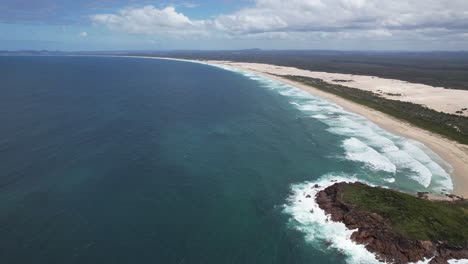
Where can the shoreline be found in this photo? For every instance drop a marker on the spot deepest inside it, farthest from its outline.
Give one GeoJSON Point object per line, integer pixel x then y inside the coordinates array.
{"type": "Point", "coordinates": [454, 153]}
{"type": "Point", "coordinates": [450, 151]}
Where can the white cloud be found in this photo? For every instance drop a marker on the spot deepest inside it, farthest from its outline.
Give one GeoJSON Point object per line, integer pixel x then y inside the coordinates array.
{"type": "Point", "coordinates": [331, 18]}
{"type": "Point", "coordinates": [83, 34]}
{"type": "Point", "coordinates": [336, 15]}
{"type": "Point", "coordinates": [149, 20]}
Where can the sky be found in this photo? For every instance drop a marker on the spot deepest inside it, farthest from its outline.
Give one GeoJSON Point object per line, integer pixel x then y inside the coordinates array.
{"type": "Point", "coordinates": [86, 25]}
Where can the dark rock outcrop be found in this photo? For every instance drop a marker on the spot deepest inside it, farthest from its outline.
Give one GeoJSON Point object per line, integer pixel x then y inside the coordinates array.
{"type": "Point", "coordinates": [376, 232]}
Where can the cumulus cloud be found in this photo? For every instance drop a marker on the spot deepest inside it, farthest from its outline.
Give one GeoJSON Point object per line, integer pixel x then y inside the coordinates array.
{"type": "Point", "coordinates": [150, 20]}
{"type": "Point", "coordinates": [336, 15]}
{"type": "Point", "coordinates": [339, 18]}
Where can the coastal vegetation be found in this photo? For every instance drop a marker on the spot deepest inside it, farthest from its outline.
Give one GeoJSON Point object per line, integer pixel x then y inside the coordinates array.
{"type": "Point", "coordinates": [399, 227]}
{"type": "Point", "coordinates": [452, 126]}
{"type": "Point", "coordinates": [413, 217]}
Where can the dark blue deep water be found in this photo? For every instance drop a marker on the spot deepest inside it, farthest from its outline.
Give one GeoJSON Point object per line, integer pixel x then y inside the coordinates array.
{"type": "Point", "coordinates": [125, 160]}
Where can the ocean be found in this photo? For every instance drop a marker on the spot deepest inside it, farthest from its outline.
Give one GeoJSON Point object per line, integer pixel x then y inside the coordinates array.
{"type": "Point", "coordinates": [131, 160]}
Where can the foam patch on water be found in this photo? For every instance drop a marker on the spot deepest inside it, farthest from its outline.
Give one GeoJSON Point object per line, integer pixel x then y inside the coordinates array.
{"type": "Point", "coordinates": [319, 116]}
{"type": "Point", "coordinates": [390, 180]}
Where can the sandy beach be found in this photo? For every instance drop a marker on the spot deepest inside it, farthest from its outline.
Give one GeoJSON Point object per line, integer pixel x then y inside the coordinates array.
{"type": "Point", "coordinates": [454, 153]}
{"type": "Point", "coordinates": [437, 98]}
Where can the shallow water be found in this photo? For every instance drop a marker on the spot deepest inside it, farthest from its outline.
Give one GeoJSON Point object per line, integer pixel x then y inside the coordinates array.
{"type": "Point", "coordinates": [125, 160]}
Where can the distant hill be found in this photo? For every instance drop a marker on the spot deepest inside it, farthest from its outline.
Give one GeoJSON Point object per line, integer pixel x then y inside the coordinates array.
{"type": "Point", "coordinates": [438, 68]}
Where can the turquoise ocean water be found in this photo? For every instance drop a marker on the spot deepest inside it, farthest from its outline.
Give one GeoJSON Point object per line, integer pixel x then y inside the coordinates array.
{"type": "Point", "coordinates": [127, 160]}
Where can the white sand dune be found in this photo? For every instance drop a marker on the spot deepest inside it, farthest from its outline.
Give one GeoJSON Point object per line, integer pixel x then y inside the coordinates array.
{"type": "Point", "coordinates": [436, 98]}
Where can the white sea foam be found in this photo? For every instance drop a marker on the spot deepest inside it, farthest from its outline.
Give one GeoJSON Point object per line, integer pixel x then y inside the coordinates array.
{"type": "Point", "coordinates": [390, 180]}
{"type": "Point", "coordinates": [319, 116]}
{"type": "Point", "coordinates": [386, 144]}
{"type": "Point", "coordinates": [460, 261]}
{"type": "Point", "coordinates": [384, 151]}
{"type": "Point", "coordinates": [439, 168]}
{"type": "Point", "coordinates": [405, 155]}
{"type": "Point", "coordinates": [356, 150]}
{"type": "Point", "coordinates": [389, 152]}
{"type": "Point", "coordinates": [307, 217]}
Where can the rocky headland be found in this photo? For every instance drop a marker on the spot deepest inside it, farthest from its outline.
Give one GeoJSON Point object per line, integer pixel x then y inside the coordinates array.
{"type": "Point", "coordinates": [398, 227]}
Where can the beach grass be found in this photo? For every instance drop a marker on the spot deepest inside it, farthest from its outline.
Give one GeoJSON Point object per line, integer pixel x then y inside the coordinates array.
{"type": "Point", "coordinates": [411, 216]}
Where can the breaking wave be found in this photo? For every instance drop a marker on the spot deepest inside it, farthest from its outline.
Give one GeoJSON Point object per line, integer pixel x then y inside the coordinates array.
{"type": "Point", "coordinates": [367, 143]}
{"type": "Point", "coordinates": [356, 150]}
{"type": "Point", "coordinates": [319, 230]}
